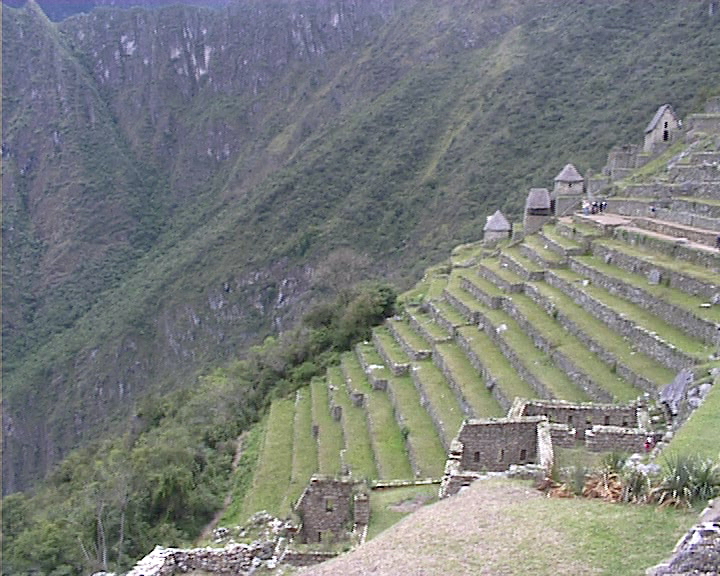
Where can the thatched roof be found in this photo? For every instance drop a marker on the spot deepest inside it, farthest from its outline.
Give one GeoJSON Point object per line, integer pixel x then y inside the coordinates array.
{"type": "Point", "coordinates": [538, 199]}
{"type": "Point", "coordinates": [569, 174]}
{"type": "Point", "coordinates": [497, 223]}
{"type": "Point", "coordinates": [658, 115]}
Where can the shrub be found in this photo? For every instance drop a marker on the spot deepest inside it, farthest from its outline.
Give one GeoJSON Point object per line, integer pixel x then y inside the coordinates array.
{"type": "Point", "coordinates": [687, 480]}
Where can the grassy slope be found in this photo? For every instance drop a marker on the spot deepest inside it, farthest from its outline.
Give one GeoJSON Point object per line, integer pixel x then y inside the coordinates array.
{"type": "Point", "coordinates": [505, 527]}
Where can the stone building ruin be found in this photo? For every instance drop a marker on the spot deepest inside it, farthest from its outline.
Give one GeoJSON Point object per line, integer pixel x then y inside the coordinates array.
{"type": "Point", "coordinates": [538, 210]}
{"type": "Point", "coordinates": [526, 438]}
{"type": "Point", "coordinates": [497, 228]}
{"type": "Point", "coordinates": [662, 129]}
{"type": "Point", "coordinates": [330, 507]}
{"type": "Point", "coordinates": [568, 191]}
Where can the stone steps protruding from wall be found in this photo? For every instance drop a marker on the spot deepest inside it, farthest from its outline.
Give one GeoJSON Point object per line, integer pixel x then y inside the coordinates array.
{"type": "Point", "coordinates": [698, 235]}
{"type": "Point", "coordinates": [414, 345]}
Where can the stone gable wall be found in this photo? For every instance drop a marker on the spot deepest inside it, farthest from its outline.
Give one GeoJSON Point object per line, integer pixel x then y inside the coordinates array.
{"type": "Point", "coordinates": [325, 506]}
{"type": "Point", "coordinates": [494, 445]}
{"type": "Point", "coordinates": [583, 417]}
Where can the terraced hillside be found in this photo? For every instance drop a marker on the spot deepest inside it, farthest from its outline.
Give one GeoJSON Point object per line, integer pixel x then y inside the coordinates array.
{"type": "Point", "coordinates": [599, 307]}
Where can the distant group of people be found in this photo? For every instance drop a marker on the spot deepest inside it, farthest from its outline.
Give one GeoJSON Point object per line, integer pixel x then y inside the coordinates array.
{"type": "Point", "coordinates": [593, 207]}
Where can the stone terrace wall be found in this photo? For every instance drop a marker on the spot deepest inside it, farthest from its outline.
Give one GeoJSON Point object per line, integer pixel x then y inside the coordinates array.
{"type": "Point", "coordinates": [583, 417]}
{"type": "Point", "coordinates": [647, 342]}
{"type": "Point", "coordinates": [608, 438]}
{"type": "Point", "coordinates": [675, 316]}
{"type": "Point", "coordinates": [674, 279]}
{"type": "Point", "coordinates": [494, 445]}
{"type": "Point", "coordinates": [325, 506]}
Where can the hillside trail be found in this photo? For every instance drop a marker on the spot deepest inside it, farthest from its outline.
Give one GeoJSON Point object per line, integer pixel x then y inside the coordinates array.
{"type": "Point", "coordinates": [208, 530]}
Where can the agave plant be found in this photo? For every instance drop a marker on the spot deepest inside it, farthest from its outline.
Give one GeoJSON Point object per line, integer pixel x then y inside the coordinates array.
{"type": "Point", "coordinates": [687, 479]}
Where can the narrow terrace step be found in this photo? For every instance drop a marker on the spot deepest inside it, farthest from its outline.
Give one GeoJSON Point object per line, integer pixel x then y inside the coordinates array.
{"type": "Point", "coordinates": [390, 351]}
{"type": "Point", "coordinates": [693, 212]}
{"type": "Point", "coordinates": [414, 345]}
{"type": "Point", "coordinates": [438, 399]}
{"type": "Point", "coordinates": [387, 440]}
{"type": "Point", "coordinates": [447, 314]}
{"type": "Point", "coordinates": [677, 274]}
{"type": "Point", "coordinates": [358, 458]}
{"type": "Point", "coordinates": [676, 230]}
{"type": "Point", "coordinates": [579, 229]}
{"type": "Point", "coordinates": [305, 448]}
{"type": "Point", "coordinates": [638, 370]}
{"type": "Point", "coordinates": [500, 274]}
{"type": "Point", "coordinates": [516, 262]}
{"type": "Point", "coordinates": [560, 244]}
{"type": "Point", "coordinates": [424, 325]}
{"type": "Point", "coordinates": [539, 252]}
{"type": "Point", "coordinates": [467, 382]}
{"type": "Point", "coordinates": [329, 432]}
{"type": "Point", "coordinates": [482, 290]}
{"type": "Point", "coordinates": [579, 364]}
{"type": "Point", "coordinates": [649, 335]}
{"type": "Point", "coordinates": [683, 311]}
{"type": "Point", "coordinates": [501, 378]}
{"type": "Point", "coordinates": [532, 364]}
{"type": "Point", "coordinates": [696, 254]}
{"type": "Point", "coordinates": [424, 444]}
{"type": "Point", "coordinates": [272, 477]}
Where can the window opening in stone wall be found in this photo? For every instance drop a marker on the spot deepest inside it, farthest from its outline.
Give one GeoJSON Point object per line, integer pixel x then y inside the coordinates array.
{"type": "Point", "coordinates": [588, 423]}
{"type": "Point", "coordinates": [625, 423]}
{"type": "Point", "coordinates": [329, 505]}
{"type": "Point", "coordinates": [607, 420]}
{"type": "Point", "coordinates": [476, 457]}
{"type": "Point", "coordinates": [523, 454]}
{"type": "Point", "coordinates": [666, 134]}
{"type": "Point", "coordinates": [501, 455]}
{"type": "Point", "coordinates": [570, 420]}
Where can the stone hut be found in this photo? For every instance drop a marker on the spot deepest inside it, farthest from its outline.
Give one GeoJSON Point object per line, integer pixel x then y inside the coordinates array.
{"type": "Point", "coordinates": [497, 228]}
{"type": "Point", "coordinates": [538, 210]}
{"type": "Point", "coordinates": [568, 191]}
{"type": "Point", "coordinates": [662, 129]}
{"type": "Point", "coordinates": [327, 508]}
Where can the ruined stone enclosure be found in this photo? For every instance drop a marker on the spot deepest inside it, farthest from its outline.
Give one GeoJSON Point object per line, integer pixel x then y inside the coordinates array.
{"type": "Point", "coordinates": [330, 507]}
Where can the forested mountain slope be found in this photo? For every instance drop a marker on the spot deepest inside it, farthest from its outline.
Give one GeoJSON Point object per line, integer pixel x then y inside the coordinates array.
{"type": "Point", "coordinates": [179, 183]}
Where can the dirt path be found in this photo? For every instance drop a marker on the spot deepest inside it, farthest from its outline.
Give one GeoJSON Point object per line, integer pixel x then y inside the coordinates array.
{"type": "Point", "coordinates": [208, 530]}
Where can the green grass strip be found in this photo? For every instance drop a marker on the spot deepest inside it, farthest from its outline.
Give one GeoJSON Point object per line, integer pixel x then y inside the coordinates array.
{"type": "Point", "coordinates": [641, 317]}
{"type": "Point", "coordinates": [471, 384]}
{"type": "Point", "coordinates": [537, 245]}
{"type": "Point", "coordinates": [330, 435]}
{"type": "Point", "coordinates": [389, 345]}
{"type": "Point", "coordinates": [497, 365]}
{"type": "Point", "coordinates": [677, 298]}
{"type": "Point", "coordinates": [421, 433]}
{"type": "Point", "coordinates": [272, 478]}
{"type": "Point", "coordinates": [416, 342]}
{"type": "Point", "coordinates": [305, 447]}
{"type": "Point", "coordinates": [701, 433]}
{"type": "Point", "coordinates": [534, 360]}
{"type": "Point", "coordinates": [435, 331]}
{"type": "Point", "coordinates": [359, 456]}
{"type": "Point", "coordinates": [515, 254]}
{"type": "Point", "coordinates": [385, 434]}
{"type": "Point", "coordinates": [610, 341]}
{"type": "Point", "coordinates": [442, 400]}
{"type": "Point", "coordinates": [503, 272]}
{"type": "Point", "coordinates": [584, 359]}
{"type": "Point", "coordinates": [551, 233]}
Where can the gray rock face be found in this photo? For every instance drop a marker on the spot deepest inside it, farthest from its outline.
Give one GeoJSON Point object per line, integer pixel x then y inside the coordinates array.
{"type": "Point", "coordinates": [697, 553]}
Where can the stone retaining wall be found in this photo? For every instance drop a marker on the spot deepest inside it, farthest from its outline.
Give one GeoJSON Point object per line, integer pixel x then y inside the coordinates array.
{"type": "Point", "coordinates": [670, 277]}
{"type": "Point", "coordinates": [559, 358]}
{"type": "Point", "coordinates": [425, 403]}
{"type": "Point", "coordinates": [609, 438]}
{"type": "Point", "coordinates": [490, 380]}
{"type": "Point", "coordinates": [680, 318]}
{"type": "Point", "coordinates": [499, 281]}
{"type": "Point", "coordinates": [397, 368]}
{"type": "Point", "coordinates": [567, 322]}
{"type": "Point", "coordinates": [440, 362]}
{"type": "Point", "coordinates": [423, 331]}
{"type": "Point", "coordinates": [493, 302]}
{"type": "Point", "coordinates": [520, 270]}
{"type": "Point", "coordinates": [647, 342]}
{"type": "Point", "coordinates": [406, 346]}
{"type": "Point", "coordinates": [401, 422]}
{"type": "Point", "coordinates": [676, 230]}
